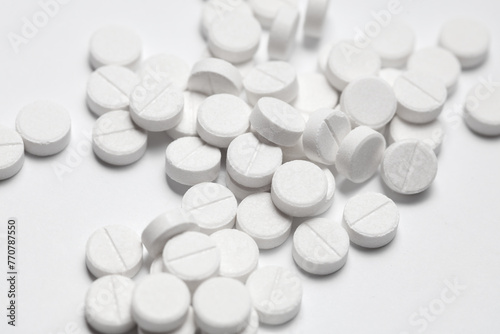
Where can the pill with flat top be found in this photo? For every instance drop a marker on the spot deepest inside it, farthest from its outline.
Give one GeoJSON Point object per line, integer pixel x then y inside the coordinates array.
{"type": "Point", "coordinates": [215, 76]}
{"type": "Point", "coordinates": [283, 33]}
{"type": "Point", "coordinates": [482, 114]}
{"type": "Point", "coordinates": [115, 45]}
{"type": "Point", "coordinates": [11, 153]}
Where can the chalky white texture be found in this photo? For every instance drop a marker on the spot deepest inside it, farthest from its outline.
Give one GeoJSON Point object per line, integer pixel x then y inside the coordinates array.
{"type": "Point", "coordinates": [215, 76]}
{"type": "Point", "coordinates": [295, 152]}
{"type": "Point", "coordinates": [430, 133]}
{"type": "Point", "coordinates": [218, 9]}
{"type": "Point", "coordinates": [314, 93]}
{"type": "Point", "coordinates": [390, 75]}
{"type": "Point", "coordinates": [330, 192]}
{"type": "Point", "coordinates": [323, 55]}
{"type": "Point", "coordinates": [481, 110]}
{"type": "Point", "coordinates": [253, 324]}
{"type": "Point", "coordinates": [11, 153]}
{"type": "Point", "coordinates": [156, 265]}
{"type": "Point", "coordinates": [315, 17]}
{"type": "Point", "coordinates": [115, 45]}
{"type": "Point", "coordinates": [163, 66]}
{"type": "Point", "coordinates": [394, 44]}
{"type": "Point", "coordinates": [241, 192]}
{"type": "Point", "coordinates": [283, 33]}
{"type": "Point", "coordinates": [187, 125]}
{"type": "Point", "coordinates": [188, 327]}
{"type": "Point", "coordinates": [267, 10]}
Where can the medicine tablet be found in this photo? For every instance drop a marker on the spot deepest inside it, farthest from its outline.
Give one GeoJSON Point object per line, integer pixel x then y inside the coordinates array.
{"type": "Point", "coordinates": [117, 140]}
{"type": "Point", "coordinates": [323, 55]}
{"type": "Point", "coordinates": [217, 9]}
{"type": "Point", "coordinates": [45, 128]}
{"type": "Point", "coordinates": [188, 327]}
{"type": "Point", "coordinates": [276, 294]}
{"type": "Point", "coordinates": [221, 118]}
{"type": "Point", "coordinates": [242, 192]}
{"type": "Point", "coordinates": [295, 152]}
{"type": "Point", "coordinates": [187, 125]}
{"type": "Point", "coordinates": [211, 206]}
{"type": "Point", "coordinates": [481, 111]}
{"type": "Point", "coordinates": [193, 257]}
{"type": "Point", "coordinates": [320, 246]}
{"type": "Point", "coordinates": [266, 10]}
{"type": "Point", "coordinates": [394, 44]}
{"type": "Point", "coordinates": [430, 133]}
{"type": "Point", "coordinates": [156, 265]}
{"type": "Point", "coordinates": [11, 153]}
{"type": "Point", "coordinates": [215, 76]}
{"type": "Point", "coordinates": [390, 75]}
{"type": "Point", "coordinates": [371, 220]}
{"type": "Point", "coordinates": [299, 188]}
{"type": "Point", "coordinates": [190, 161]}
{"type": "Point", "coordinates": [315, 17]}
{"type": "Point", "coordinates": [468, 39]}
{"type": "Point", "coordinates": [276, 79]}
{"type": "Point", "coordinates": [409, 167]}
{"type": "Point", "coordinates": [114, 45]}
{"type": "Point", "coordinates": [283, 33]}
{"type": "Point", "coordinates": [160, 303]}
{"type": "Point", "coordinates": [222, 305]}
{"type": "Point", "coordinates": [108, 304]}
{"type": "Point", "coordinates": [421, 97]}
{"type": "Point", "coordinates": [360, 154]}
{"type": "Point", "coordinates": [114, 249]}
{"type": "Point", "coordinates": [252, 325]}
{"type": "Point", "coordinates": [328, 201]}
{"type": "Point", "coordinates": [163, 67]}
{"type": "Point", "coordinates": [314, 93]}
{"type": "Point", "coordinates": [325, 130]}
{"type": "Point", "coordinates": [252, 163]}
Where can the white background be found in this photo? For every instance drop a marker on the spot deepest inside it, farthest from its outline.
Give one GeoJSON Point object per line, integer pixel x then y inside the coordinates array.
{"type": "Point", "coordinates": [449, 233]}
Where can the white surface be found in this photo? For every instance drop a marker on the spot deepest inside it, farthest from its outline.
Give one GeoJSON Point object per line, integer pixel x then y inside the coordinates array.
{"type": "Point", "coordinates": [283, 33]}
{"type": "Point", "coordinates": [448, 233]}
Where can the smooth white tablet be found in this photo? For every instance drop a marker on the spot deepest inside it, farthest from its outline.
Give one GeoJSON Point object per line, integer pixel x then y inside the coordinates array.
{"type": "Point", "coordinates": [252, 163]}
{"type": "Point", "coordinates": [299, 188]}
{"type": "Point", "coordinates": [315, 17]}
{"type": "Point", "coordinates": [320, 246]}
{"type": "Point", "coordinates": [114, 249]}
{"type": "Point", "coordinates": [109, 88]}
{"type": "Point", "coordinates": [283, 33]}
{"type": "Point", "coordinates": [211, 206]}
{"type": "Point", "coordinates": [160, 303]}
{"type": "Point", "coordinates": [117, 140]}
{"type": "Point", "coordinates": [252, 324]}
{"type": "Point", "coordinates": [430, 133]}
{"type": "Point", "coordinates": [108, 304]}
{"type": "Point", "coordinates": [217, 9]}
{"type": "Point", "coordinates": [314, 93]}
{"type": "Point", "coordinates": [193, 257]}
{"type": "Point", "coordinates": [468, 39]}
{"type": "Point", "coordinates": [409, 167]}
{"type": "Point", "coordinates": [156, 265]}
{"type": "Point", "coordinates": [45, 128]}
{"type": "Point", "coordinates": [481, 111]}
{"type": "Point", "coordinates": [11, 153]}
{"type": "Point", "coordinates": [215, 76]}
{"type": "Point", "coordinates": [394, 44]}
{"type": "Point", "coordinates": [390, 75]}
{"type": "Point", "coordinates": [222, 305]}
{"type": "Point", "coordinates": [323, 55]}
{"type": "Point", "coordinates": [371, 219]}
{"type": "Point", "coordinates": [276, 293]}
{"type": "Point", "coordinates": [241, 192]}
{"type": "Point", "coordinates": [190, 161]}
{"type": "Point", "coordinates": [360, 154]}
{"type": "Point", "coordinates": [330, 193]}
{"type": "Point", "coordinates": [114, 45]}
{"type": "Point", "coordinates": [188, 327]}
{"type": "Point", "coordinates": [187, 125]}
{"type": "Point", "coordinates": [266, 10]}
{"type": "Point", "coordinates": [276, 79]}
{"type": "Point", "coordinates": [163, 66]}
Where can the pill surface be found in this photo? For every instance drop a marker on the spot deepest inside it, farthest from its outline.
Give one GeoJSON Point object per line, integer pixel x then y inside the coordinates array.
{"type": "Point", "coordinates": [482, 114]}
{"type": "Point", "coordinates": [266, 10]}
{"type": "Point", "coordinates": [215, 76]}
{"type": "Point", "coordinates": [323, 55]}
{"type": "Point", "coordinates": [315, 16]}
{"type": "Point", "coordinates": [241, 192]}
{"type": "Point", "coordinates": [314, 93]}
{"type": "Point", "coordinates": [390, 75]}
{"type": "Point", "coordinates": [157, 265]}
{"type": "Point", "coordinates": [114, 45]}
{"type": "Point", "coordinates": [394, 44]}
{"type": "Point", "coordinates": [295, 152]}
{"type": "Point", "coordinates": [430, 133]}
{"type": "Point", "coordinates": [188, 327]}
{"type": "Point", "coordinates": [216, 9]}
{"type": "Point", "coordinates": [282, 34]}
{"type": "Point", "coordinates": [253, 324]}
{"type": "Point", "coordinates": [163, 66]}
{"type": "Point", "coordinates": [187, 125]}
{"type": "Point", "coordinates": [330, 192]}
{"type": "Point", "coordinates": [11, 153]}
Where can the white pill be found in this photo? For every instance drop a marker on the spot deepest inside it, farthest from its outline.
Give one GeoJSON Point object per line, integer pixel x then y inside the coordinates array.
{"type": "Point", "coordinates": [221, 118]}
{"type": "Point", "coordinates": [430, 133]}
{"type": "Point", "coordinates": [272, 79]}
{"type": "Point", "coordinates": [193, 257]}
{"type": "Point", "coordinates": [252, 325]}
{"type": "Point", "coordinates": [481, 111]}
{"type": "Point", "coordinates": [188, 327]}
{"type": "Point", "coordinates": [242, 192]}
{"type": "Point", "coordinates": [314, 93]}
{"type": "Point", "coordinates": [325, 130]}
{"type": "Point", "coordinates": [215, 76]}
{"type": "Point", "coordinates": [295, 152]}
{"type": "Point", "coordinates": [211, 206]}
{"type": "Point", "coordinates": [266, 10]}
{"type": "Point", "coordinates": [315, 17]}
{"type": "Point", "coordinates": [420, 96]}
{"type": "Point", "coordinates": [117, 140]}
{"type": "Point", "coordinates": [469, 40]}
{"type": "Point", "coordinates": [390, 75]}
{"type": "Point", "coordinates": [252, 163]}
{"type": "Point", "coordinates": [283, 33]}
{"type": "Point", "coordinates": [160, 303]}
{"type": "Point", "coordinates": [164, 66]}
{"type": "Point", "coordinates": [371, 219]}
{"type": "Point", "coordinates": [190, 161]}
{"type": "Point", "coordinates": [109, 88]}
{"type": "Point", "coordinates": [156, 265]}
{"type": "Point", "coordinates": [347, 63]}
{"type": "Point", "coordinates": [114, 249]}
{"type": "Point", "coordinates": [437, 62]}
{"type": "Point", "coordinates": [11, 153]}
{"type": "Point", "coordinates": [328, 201]}
{"type": "Point", "coordinates": [320, 246]}
{"type": "Point", "coordinates": [299, 188]}
{"type": "Point", "coordinates": [323, 55]}
{"type": "Point", "coordinates": [276, 294]}
{"type": "Point", "coordinates": [45, 128]}
{"type": "Point", "coordinates": [394, 44]}
{"type": "Point", "coordinates": [409, 167]}
{"type": "Point", "coordinates": [164, 227]}
{"type": "Point", "coordinates": [114, 45]}
{"type": "Point", "coordinates": [360, 154]}
{"type": "Point", "coordinates": [218, 9]}
{"type": "Point", "coordinates": [187, 125]}
{"type": "Point", "coordinates": [222, 305]}
{"type": "Point", "coordinates": [108, 304]}
{"type": "Point", "coordinates": [369, 101]}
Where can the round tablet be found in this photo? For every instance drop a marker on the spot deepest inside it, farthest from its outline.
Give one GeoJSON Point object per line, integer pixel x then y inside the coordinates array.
{"type": "Point", "coordinates": [315, 17]}
{"type": "Point", "coordinates": [323, 54]}
{"type": "Point", "coordinates": [242, 192]}
{"type": "Point", "coordinates": [211, 206]}
{"type": "Point", "coordinates": [252, 163]}
{"type": "Point", "coordinates": [187, 125]}
{"type": "Point", "coordinates": [160, 303]}
{"type": "Point", "coordinates": [314, 93]}
{"type": "Point", "coordinates": [437, 62]}
{"type": "Point", "coordinates": [193, 257]}
{"type": "Point", "coordinates": [222, 305]}
{"type": "Point", "coordinates": [215, 76]}
{"type": "Point", "coordinates": [276, 79]}
{"type": "Point", "coordinates": [295, 152]}
{"type": "Point", "coordinates": [114, 249]}
{"type": "Point", "coordinates": [394, 44]}
{"type": "Point", "coordinates": [215, 9]}
{"type": "Point", "coordinates": [164, 66]}
{"type": "Point", "coordinates": [156, 265]}
{"type": "Point", "coordinates": [190, 161]}
{"type": "Point", "coordinates": [266, 10]}
{"type": "Point", "coordinates": [481, 111]}
{"type": "Point", "coordinates": [114, 45]}
{"type": "Point", "coordinates": [299, 188]}
{"type": "Point", "coordinates": [409, 167]}
{"type": "Point", "coordinates": [371, 220]}
{"type": "Point", "coordinates": [390, 75]}
{"type": "Point", "coordinates": [328, 201]}
{"type": "Point", "coordinates": [188, 327]}
{"type": "Point", "coordinates": [117, 140]}
{"type": "Point", "coordinates": [252, 325]}
{"type": "Point", "coordinates": [430, 133]}
{"type": "Point", "coordinates": [276, 293]}
{"type": "Point", "coordinates": [320, 246]}
{"type": "Point", "coordinates": [360, 154]}
{"type": "Point", "coordinates": [468, 39]}
{"type": "Point", "coordinates": [11, 153]}
{"type": "Point", "coordinates": [282, 34]}
{"type": "Point", "coordinates": [45, 128]}
{"type": "Point", "coordinates": [421, 97]}
{"type": "Point", "coordinates": [108, 304]}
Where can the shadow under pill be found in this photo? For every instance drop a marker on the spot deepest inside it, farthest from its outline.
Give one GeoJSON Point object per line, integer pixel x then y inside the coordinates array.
{"type": "Point", "coordinates": [176, 187]}
{"type": "Point", "coordinates": [348, 188]}
{"type": "Point", "coordinates": [310, 43]}
{"type": "Point", "coordinates": [158, 141]}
